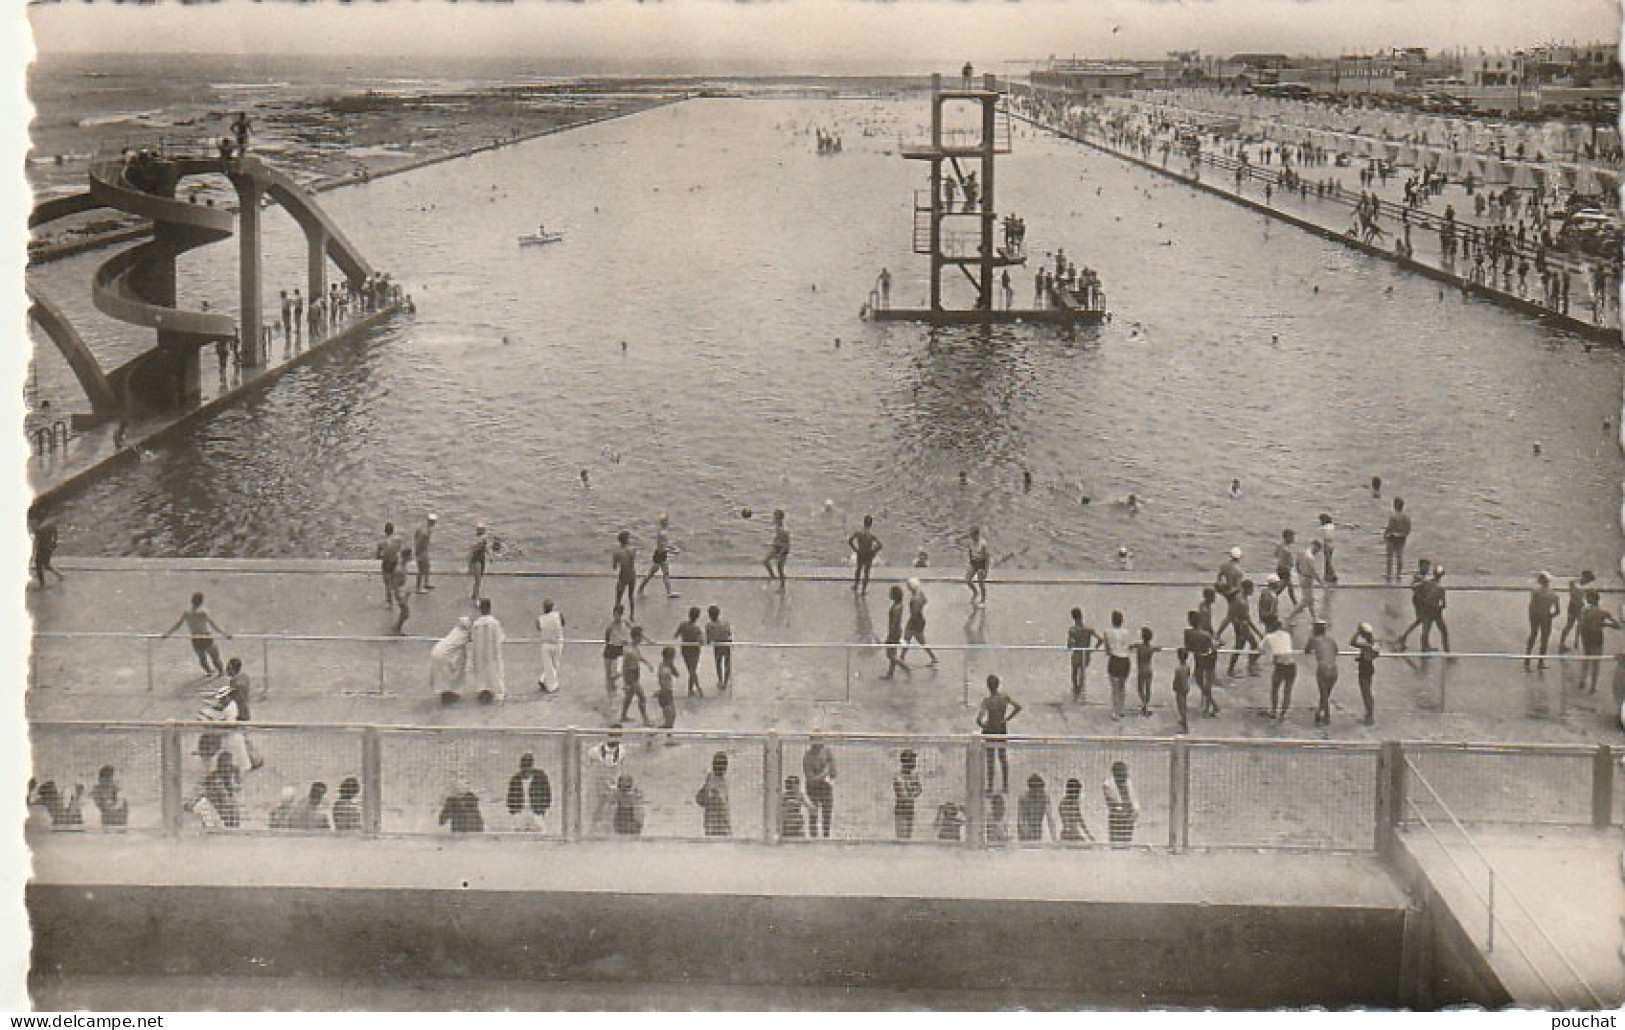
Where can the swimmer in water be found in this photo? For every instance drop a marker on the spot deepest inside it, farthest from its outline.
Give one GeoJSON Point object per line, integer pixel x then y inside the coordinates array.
{"type": "Point", "coordinates": [1125, 558]}
{"type": "Point", "coordinates": [1132, 503]}
{"type": "Point", "coordinates": [1235, 488]}
{"type": "Point", "coordinates": [585, 480]}
{"type": "Point", "coordinates": [1376, 487]}
{"type": "Point", "coordinates": [964, 478]}
{"type": "Point", "coordinates": [1027, 477]}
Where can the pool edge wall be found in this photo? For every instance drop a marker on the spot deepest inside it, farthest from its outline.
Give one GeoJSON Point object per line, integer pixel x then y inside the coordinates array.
{"type": "Point", "coordinates": [1170, 954]}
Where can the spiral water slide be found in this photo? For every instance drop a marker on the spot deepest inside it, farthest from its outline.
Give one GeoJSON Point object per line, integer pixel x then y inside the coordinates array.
{"type": "Point", "coordinates": [137, 285]}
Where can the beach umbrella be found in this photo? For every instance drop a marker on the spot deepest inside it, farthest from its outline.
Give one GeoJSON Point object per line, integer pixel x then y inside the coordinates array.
{"type": "Point", "coordinates": [1608, 180]}
{"type": "Point", "coordinates": [1587, 181]}
{"type": "Point", "coordinates": [1407, 156]}
{"type": "Point", "coordinates": [1389, 151]}
{"type": "Point", "coordinates": [1496, 172]}
{"type": "Point", "coordinates": [1525, 176]}
{"type": "Point", "coordinates": [1471, 164]}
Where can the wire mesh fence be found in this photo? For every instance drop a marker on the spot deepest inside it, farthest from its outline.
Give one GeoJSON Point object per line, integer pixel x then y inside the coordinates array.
{"type": "Point", "coordinates": [1283, 795]}
{"type": "Point", "coordinates": [871, 789]}
{"type": "Point", "coordinates": [472, 781]}
{"type": "Point", "coordinates": [795, 788]}
{"type": "Point", "coordinates": [241, 776]}
{"type": "Point", "coordinates": [671, 786]}
{"type": "Point", "coordinates": [1505, 784]}
{"type": "Point", "coordinates": [92, 776]}
{"type": "Point", "coordinates": [1056, 790]}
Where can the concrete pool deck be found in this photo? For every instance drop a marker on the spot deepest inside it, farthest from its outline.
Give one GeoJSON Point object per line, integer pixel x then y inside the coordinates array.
{"type": "Point", "coordinates": [384, 680]}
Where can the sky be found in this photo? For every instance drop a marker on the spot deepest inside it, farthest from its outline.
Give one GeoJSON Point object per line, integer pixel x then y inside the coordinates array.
{"type": "Point", "coordinates": [812, 35]}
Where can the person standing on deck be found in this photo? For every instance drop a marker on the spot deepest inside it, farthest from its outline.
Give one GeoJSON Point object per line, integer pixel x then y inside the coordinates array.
{"type": "Point", "coordinates": [624, 560]}
{"type": "Point", "coordinates": [660, 559]}
{"type": "Point", "coordinates": [479, 555]}
{"type": "Point", "coordinates": [389, 556]}
{"type": "Point", "coordinates": [978, 560]}
{"type": "Point", "coordinates": [1308, 569]}
{"type": "Point", "coordinates": [1080, 639]}
{"type": "Point", "coordinates": [202, 627]}
{"type": "Point", "coordinates": [993, 719]}
{"type": "Point", "coordinates": [485, 640]}
{"type": "Point", "coordinates": [693, 638]}
{"type": "Point", "coordinates": [865, 547]}
{"type": "Point", "coordinates": [1544, 605]}
{"type": "Point", "coordinates": [778, 551]}
{"type": "Point", "coordinates": [550, 635]}
{"type": "Point", "coordinates": [1285, 558]}
{"type": "Point", "coordinates": [1394, 536]}
{"type": "Point", "coordinates": [421, 539]}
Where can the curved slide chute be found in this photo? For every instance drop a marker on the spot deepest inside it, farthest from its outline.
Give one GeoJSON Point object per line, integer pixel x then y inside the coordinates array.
{"type": "Point", "coordinates": [299, 203]}
{"type": "Point", "coordinates": [104, 399]}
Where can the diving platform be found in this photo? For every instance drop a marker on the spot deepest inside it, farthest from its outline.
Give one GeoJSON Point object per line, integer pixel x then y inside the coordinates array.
{"type": "Point", "coordinates": [1071, 315]}
{"type": "Point", "coordinates": [957, 224]}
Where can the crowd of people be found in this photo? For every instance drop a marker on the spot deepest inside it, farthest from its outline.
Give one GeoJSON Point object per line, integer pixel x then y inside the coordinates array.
{"type": "Point", "coordinates": [1511, 238]}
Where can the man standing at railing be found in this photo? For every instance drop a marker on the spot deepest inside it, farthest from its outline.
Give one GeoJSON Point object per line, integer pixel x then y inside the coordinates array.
{"type": "Point", "coordinates": [1324, 648]}
{"type": "Point", "coordinates": [550, 634]}
{"type": "Point", "coordinates": [993, 719]}
{"type": "Point", "coordinates": [1283, 668]}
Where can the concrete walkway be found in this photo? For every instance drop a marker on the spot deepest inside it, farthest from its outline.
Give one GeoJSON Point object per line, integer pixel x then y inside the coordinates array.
{"type": "Point", "coordinates": [384, 680]}
{"type": "Point", "coordinates": [1548, 949]}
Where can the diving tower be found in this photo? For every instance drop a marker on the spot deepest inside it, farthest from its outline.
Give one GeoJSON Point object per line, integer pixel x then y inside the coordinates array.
{"type": "Point", "coordinates": [956, 219]}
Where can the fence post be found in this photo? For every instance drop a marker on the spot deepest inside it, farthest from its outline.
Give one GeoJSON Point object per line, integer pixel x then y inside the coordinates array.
{"type": "Point", "coordinates": [570, 785]}
{"type": "Point", "coordinates": [265, 661]}
{"type": "Point", "coordinates": [975, 815]}
{"type": "Point", "coordinates": [772, 766]}
{"type": "Point", "coordinates": [149, 664]}
{"type": "Point", "coordinates": [1179, 796]}
{"type": "Point", "coordinates": [1602, 787]}
{"type": "Point", "coordinates": [372, 782]}
{"type": "Point", "coordinates": [380, 665]}
{"type": "Point", "coordinates": [846, 652]}
{"type": "Point", "coordinates": [169, 761]}
{"type": "Point", "coordinates": [1390, 791]}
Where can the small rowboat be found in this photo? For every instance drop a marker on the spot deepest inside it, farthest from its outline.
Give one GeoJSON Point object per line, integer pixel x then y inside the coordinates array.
{"type": "Point", "coordinates": [538, 238]}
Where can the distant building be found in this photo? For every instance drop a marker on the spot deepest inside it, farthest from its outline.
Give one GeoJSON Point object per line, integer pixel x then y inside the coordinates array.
{"type": "Point", "coordinates": [1085, 80]}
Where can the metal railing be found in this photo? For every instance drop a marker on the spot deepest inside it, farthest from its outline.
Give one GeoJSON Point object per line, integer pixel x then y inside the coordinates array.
{"type": "Point", "coordinates": [291, 664]}
{"type": "Point", "coordinates": [1497, 892]}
